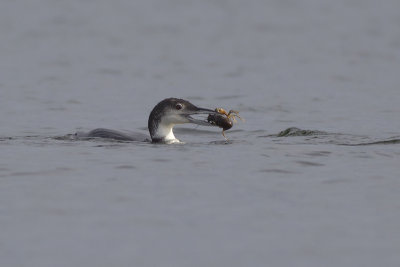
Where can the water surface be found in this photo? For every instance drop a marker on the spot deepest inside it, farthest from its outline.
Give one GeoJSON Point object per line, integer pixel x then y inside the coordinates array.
{"type": "Point", "coordinates": [324, 195]}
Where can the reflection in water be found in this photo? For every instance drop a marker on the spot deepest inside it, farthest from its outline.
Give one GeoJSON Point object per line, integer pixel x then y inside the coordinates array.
{"type": "Point", "coordinates": [293, 131]}
{"type": "Point", "coordinates": [321, 137]}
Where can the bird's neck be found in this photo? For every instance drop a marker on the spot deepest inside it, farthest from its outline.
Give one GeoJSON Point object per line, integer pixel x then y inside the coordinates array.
{"type": "Point", "coordinates": [164, 134]}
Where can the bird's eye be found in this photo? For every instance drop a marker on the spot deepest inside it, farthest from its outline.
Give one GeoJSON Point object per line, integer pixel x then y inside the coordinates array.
{"type": "Point", "coordinates": [178, 106]}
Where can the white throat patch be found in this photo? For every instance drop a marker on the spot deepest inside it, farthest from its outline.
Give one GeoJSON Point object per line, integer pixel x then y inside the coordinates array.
{"type": "Point", "coordinates": [165, 132]}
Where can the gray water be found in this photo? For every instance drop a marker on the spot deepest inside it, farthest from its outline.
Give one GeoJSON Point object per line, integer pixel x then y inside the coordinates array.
{"type": "Point", "coordinates": [324, 195]}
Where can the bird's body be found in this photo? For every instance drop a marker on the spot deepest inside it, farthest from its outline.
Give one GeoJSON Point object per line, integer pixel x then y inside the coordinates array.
{"type": "Point", "coordinates": [114, 134]}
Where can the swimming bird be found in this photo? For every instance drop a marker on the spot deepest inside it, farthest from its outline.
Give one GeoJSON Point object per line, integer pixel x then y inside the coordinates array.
{"type": "Point", "coordinates": [164, 116]}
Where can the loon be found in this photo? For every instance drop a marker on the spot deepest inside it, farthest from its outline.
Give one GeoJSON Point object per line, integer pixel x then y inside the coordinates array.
{"type": "Point", "coordinates": [164, 116]}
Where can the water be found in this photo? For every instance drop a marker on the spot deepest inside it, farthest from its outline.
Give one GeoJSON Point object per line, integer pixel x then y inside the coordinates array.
{"type": "Point", "coordinates": [327, 195]}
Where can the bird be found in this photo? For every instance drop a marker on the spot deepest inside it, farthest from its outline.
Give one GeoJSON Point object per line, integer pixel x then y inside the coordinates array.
{"type": "Point", "coordinates": [164, 116]}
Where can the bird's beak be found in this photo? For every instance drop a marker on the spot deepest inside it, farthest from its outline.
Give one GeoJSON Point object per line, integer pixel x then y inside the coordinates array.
{"type": "Point", "coordinates": [203, 122]}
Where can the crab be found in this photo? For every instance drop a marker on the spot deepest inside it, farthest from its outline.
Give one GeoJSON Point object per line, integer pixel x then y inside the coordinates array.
{"type": "Point", "coordinates": [225, 120]}
{"type": "Point", "coordinates": [230, 115]}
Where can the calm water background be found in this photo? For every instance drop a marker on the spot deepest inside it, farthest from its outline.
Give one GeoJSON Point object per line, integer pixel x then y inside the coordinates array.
{"type": "Point", "coordinates": [259, 200]}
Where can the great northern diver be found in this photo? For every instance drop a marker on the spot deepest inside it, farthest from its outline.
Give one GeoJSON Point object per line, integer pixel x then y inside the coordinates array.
{"type": "Point", "coordinates": [164, 116]}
